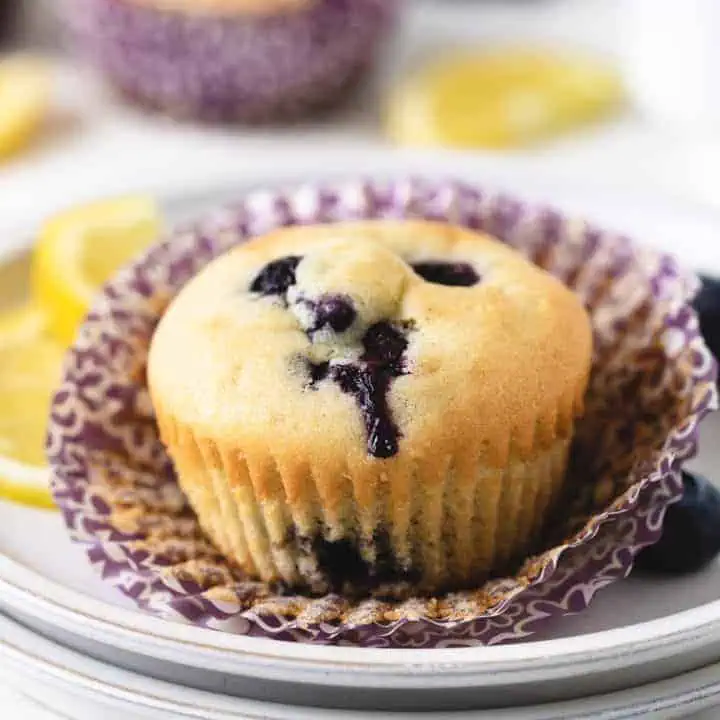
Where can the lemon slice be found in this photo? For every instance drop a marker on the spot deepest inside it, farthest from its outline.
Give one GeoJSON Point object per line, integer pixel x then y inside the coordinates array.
{"type": "Point", "coordinates": [80, 249]}
{"type": "Point", "coordinates": [501, 100]}
{"type": "Point", "coordinates": [30, 366]}
{"type": "Point", "coordinates": [24, 101]}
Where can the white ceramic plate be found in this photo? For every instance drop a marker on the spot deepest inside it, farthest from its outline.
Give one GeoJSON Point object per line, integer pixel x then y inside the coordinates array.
{"type": "Point", "coordinates": [637, 631]}
{"type": "Point", "coordinates": [86, 689]}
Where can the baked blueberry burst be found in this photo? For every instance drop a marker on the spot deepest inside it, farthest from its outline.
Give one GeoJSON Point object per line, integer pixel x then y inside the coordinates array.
{"type": "Point", "coordinates": [376, 355]}
{"type": "Point", "coordinates": [443, 273]}
{"type": "Point", "coordinates": [368, 380]}
{"type": "Point", "coordinates": [276, 277]}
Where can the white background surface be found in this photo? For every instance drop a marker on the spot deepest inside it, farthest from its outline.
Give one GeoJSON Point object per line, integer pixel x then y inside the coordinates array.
{"type": "Point", "coordinates": [98, 147]}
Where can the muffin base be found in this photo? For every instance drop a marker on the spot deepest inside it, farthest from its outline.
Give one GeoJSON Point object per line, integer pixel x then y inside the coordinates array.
{"type": "Point", "coordinates": [446, 525]}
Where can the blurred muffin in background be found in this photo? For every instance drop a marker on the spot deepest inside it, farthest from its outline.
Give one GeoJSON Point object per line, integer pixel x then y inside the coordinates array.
{"type": "Point", "coordinates": [226, 60]}
{"type": "Point", "coordinates": [9, 12]}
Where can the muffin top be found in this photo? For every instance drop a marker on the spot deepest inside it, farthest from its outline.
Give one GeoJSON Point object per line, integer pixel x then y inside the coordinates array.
{"type": "Point", "coordinates": [373, 342]}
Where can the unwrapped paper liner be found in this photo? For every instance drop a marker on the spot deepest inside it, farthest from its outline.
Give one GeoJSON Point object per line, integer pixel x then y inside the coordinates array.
{"type": "Point", "coordinates": [653, 380]}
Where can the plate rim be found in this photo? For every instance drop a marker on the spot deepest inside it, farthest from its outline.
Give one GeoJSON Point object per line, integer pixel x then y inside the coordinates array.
{"type": "Point", "coordinates": [31, 654]}
{"type": "Point", "coordinates": [495, 661]}
{"type": "Point", "coordinates": [446, 667]}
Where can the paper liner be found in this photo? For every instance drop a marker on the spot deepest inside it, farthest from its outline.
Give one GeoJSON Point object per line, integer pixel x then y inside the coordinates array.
{"type": "Point", "coordinates": [224, 67]}
{"type": "Point", "coordinates": [653, 380]}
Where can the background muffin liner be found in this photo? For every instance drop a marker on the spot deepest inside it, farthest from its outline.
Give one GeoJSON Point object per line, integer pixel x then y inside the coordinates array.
{"type": "Point", "coordinates": [653, 380]}
{"type": "Point", "coordinates": [219, 66]}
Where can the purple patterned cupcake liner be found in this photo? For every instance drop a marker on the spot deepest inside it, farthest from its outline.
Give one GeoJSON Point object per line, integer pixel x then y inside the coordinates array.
{"type": "Point", "coordinates": [653, 380]}
{"type": "Point", "coordinates": [220, 67]}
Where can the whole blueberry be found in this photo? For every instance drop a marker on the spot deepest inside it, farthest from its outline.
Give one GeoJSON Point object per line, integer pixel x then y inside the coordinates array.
{"type": "Point", "coordinates": [707, 304]}
{"type": "Point", "coordinates": [691, 531]}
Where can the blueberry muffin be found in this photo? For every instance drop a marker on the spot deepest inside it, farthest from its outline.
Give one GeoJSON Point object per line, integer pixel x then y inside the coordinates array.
{"type": "Point", "coordinates": [225, 60]}
{"type": "Point", "coordinates": [376, 407]}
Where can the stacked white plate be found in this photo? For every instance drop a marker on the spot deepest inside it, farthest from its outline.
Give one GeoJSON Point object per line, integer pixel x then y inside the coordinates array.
{"type": "Point", "coordinates": [646, 646]}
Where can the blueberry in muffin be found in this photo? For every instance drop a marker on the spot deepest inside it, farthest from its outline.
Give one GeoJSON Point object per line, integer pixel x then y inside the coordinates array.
{"type": "Point", "coordinates": [379, 407]}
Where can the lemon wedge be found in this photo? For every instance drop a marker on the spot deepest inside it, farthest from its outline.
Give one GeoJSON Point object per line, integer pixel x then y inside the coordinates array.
{"type": "Point", "coordinates": [80, 249]}
{"type": "Point", "coordinates": [501, 100]}
{"type": "Point", "coordinates": [30, 367]}
{"type": "Point", "coordinates": [24, 101]}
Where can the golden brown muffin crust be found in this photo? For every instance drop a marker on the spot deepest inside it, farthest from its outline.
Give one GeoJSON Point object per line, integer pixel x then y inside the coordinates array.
{"type": "Point", "coordinates": [493, 361]}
